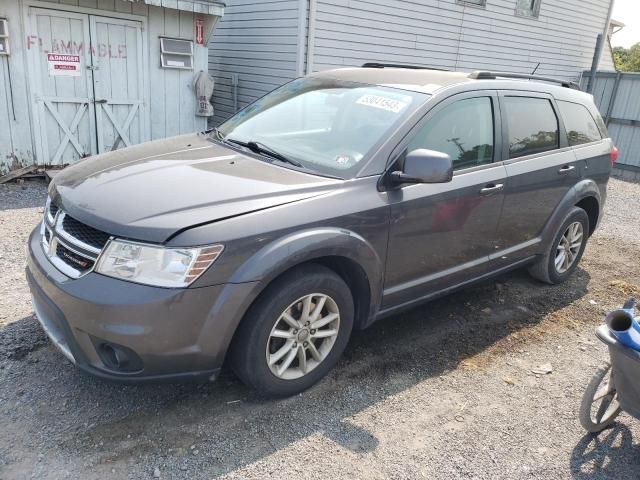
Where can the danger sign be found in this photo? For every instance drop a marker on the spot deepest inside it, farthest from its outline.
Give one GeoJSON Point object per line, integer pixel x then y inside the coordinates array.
{"type": "Point", "coordinates": [63, 65]}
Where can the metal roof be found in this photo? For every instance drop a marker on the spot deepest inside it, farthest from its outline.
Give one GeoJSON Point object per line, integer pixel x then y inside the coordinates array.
{"type": "Point", "coordinates": [207, 7]}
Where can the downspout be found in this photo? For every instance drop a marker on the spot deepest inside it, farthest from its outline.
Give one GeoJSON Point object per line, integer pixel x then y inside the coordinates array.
{"type": "Point", "coordinates": [302, 36]}
{"type": "Point", "coordinates": [311, 36]}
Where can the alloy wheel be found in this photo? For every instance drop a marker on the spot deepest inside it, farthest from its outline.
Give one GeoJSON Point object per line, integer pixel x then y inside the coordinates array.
{"type": "Point", "coordinates": [569, 247]}
{"type": "Point", "coordinates": [303, 336]}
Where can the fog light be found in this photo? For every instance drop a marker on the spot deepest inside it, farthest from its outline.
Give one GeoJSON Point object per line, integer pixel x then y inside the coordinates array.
{"type": "Point", "coordinates": [117, 357]}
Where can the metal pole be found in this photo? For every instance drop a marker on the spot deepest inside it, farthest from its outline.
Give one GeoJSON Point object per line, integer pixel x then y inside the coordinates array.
{"type": "Point", "coordinates": [594, 64]}
{"type": "Point", "coordinates": [599, 46]}
{"type": "Point", "coordinates": [612, 100]}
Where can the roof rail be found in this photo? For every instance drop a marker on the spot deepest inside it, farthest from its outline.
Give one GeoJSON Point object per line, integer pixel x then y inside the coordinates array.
{"type": "Point", "coordinates": [398, 65]}
{"type": "Point", "coordinates": [481, 75]}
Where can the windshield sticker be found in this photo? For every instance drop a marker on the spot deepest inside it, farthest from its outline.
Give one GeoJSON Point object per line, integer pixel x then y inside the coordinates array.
{"type": "Point", "coordinates": [383, 103]}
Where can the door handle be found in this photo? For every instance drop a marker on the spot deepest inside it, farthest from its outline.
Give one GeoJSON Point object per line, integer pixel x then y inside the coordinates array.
{"type": "Point", "coordinates": [104, 100]}
{"type": "Point", "coordinates": [566, 169]}
{"type": "Point", "coordinates": [491, 188]}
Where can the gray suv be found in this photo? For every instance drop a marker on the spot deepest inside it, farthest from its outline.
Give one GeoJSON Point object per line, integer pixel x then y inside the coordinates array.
{"type": "Point", "coordinates": [334, 201]}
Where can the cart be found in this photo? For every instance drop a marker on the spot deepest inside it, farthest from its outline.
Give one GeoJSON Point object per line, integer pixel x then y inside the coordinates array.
{"type": "Point", "coordinates": [614, 388]}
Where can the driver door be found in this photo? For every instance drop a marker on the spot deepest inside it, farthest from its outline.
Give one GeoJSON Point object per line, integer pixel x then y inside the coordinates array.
{"type": "Point", "coordinates": [441, 235]}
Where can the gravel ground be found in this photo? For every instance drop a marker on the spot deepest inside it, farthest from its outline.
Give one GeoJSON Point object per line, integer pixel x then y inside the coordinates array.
{"type": "Point", "coordinates": [443, 391]}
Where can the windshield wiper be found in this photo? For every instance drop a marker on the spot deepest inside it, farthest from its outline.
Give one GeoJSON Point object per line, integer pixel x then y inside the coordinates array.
{"type": "Point", "coordinates": [259, 147]}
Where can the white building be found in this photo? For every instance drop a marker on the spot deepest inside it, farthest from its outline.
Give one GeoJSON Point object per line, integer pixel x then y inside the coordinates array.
{"type": "Point", "coordinates": [80, 77]}
{"type": "Point", "coordinates": [262, 44]}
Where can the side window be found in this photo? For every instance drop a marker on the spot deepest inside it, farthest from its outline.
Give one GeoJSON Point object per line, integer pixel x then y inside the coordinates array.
{"type": "Point", "coordinates": [463, 130]}
{"type": "Point", "coordinates": [580, 125]}
{"type": "Point", "coordinates": [528, 8]}
{"type": "Point", "coordinates": [532, 126]}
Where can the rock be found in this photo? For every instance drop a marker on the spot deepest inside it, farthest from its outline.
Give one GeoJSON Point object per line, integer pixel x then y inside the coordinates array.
{"type": "Point", "coordinates": [593, 302]}
{"type": "Point", "coordinates": [543, 369]}
{"type": "Point", "coordinates": [156, 472]}
{"type": "Point", "coordinates": [486, 310]}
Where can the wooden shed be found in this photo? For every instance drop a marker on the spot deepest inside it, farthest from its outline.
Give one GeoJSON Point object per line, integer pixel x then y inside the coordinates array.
{"type": "Point", "coordinates": [82, 77]}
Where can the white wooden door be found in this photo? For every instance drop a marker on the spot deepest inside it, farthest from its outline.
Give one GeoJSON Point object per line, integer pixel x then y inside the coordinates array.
{"type": "Point", "coordinates": [118, 79]}
{"type": "Point", "coordinates": [64, 117]}
{"type": "Point", "coordinates": [97, 107]}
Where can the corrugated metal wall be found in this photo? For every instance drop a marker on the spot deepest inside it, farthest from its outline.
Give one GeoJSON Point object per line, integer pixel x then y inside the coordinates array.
{"type": "Point", "coordinates": [620, 107]}
{"type": "Point", "coordinates": [257, 40]}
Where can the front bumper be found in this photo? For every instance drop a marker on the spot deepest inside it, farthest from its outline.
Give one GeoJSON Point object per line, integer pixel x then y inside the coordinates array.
{"type": "Point", "coordinates": [174, 334]}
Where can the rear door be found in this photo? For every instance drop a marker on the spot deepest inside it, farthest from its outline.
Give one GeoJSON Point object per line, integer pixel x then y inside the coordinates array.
{"type": "Point", "coordinates": [590, 143]}
{"type": "Point", "coordinates": [441, 235]}
{"type": "Point", "coordinates": [541, 168]}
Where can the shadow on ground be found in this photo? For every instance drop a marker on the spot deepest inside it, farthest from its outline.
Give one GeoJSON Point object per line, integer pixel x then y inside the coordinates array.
{"type": "Point", "coordinates": [610, 454]}
{"type": "Point", "coordinates": [234, 426]}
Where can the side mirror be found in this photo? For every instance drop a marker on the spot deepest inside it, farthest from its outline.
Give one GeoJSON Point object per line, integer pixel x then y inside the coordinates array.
{"type": "Point", "coordinates": [425, 166]}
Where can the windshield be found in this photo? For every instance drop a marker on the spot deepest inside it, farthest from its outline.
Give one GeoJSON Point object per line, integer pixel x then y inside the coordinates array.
{"type": "Point", "coordinates": [324, 125]}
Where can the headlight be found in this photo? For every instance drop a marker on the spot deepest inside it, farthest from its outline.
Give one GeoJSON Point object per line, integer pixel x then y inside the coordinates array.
{"type": "Point", "coordinates": [154, 265]}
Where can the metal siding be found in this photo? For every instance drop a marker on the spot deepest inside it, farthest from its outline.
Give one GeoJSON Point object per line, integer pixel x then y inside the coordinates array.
{"type": "Point", "coordinates": [258, 41]}
{"type": "Point", "coordinates": [452, 35]}
{"type": "Point", "coordinates": [626, 106]}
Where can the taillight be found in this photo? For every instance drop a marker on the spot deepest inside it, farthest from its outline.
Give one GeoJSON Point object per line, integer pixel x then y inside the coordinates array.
{"type": "Point", "coordinates": [614, 155]}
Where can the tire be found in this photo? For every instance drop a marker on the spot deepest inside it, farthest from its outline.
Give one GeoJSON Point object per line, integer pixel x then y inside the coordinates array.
{"type": "Point", "coordinates": [586, 419]}
{"type": "Point", "coordinates": [545, 268]}
{"type": "Point", "coordinates": [258, 340]}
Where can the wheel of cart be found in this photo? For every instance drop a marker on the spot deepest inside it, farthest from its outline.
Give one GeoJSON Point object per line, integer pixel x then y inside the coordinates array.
{"type": "Point", "coordinates": [615, 387]}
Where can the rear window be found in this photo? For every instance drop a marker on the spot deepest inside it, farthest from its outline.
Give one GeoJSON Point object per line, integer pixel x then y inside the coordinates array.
{"type": "Point", "coordinates": [532, 125]}
{"type": "Point", "coordinates": [579, 123]}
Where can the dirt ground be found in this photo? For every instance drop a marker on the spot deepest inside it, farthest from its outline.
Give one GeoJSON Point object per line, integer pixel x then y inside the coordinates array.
{"type": "Point", "coordinates": [443, 391]}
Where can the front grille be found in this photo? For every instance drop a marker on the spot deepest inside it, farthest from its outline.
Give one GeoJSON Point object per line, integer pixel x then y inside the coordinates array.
{"type": "Point", "coordinates": [72, 246]}
{"type": "Point", "coordinates": [53, 209]}
{"type": "Point", "coordinates": [75, 261]}
{"type": "Point", "coordinates": [84, 233]}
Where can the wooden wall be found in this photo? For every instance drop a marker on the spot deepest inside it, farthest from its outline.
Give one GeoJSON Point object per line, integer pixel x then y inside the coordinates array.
{"type": "Point", "coordinates": [171, 103]}
{"type": "Point", "coordinates": [259, 42]}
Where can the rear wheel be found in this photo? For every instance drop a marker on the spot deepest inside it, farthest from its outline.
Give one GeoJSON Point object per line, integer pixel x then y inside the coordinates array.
{"type": "Point", "coordinates": [295, 332]}
{"type": "Point", "coordinates": [565, 252]}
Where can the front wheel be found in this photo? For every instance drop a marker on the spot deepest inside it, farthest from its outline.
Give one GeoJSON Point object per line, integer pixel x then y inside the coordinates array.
{"type": "Point", "coordinates": [295, 332]}
{"type": "Point", "coordinates": [600, 406]}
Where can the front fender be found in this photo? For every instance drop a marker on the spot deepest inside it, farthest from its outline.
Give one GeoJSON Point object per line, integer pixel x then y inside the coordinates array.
{"type": "Point", "coordinates": [257, 272]}
{"type": "Point", "coordinates": [286, 252]}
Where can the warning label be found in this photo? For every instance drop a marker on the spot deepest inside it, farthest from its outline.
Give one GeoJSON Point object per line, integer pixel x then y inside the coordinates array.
{"type": "Point", "coordinates": [63, 65]}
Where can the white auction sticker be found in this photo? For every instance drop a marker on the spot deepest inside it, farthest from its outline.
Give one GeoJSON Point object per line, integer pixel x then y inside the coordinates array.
{"type": "Point", "coordinates": [63, 65]}
{"type": "Point", "coordinates": [383, 103]}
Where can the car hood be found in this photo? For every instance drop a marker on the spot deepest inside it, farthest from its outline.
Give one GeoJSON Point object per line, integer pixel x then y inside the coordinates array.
{"type": "Point", "coordinates": [152, 191]}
